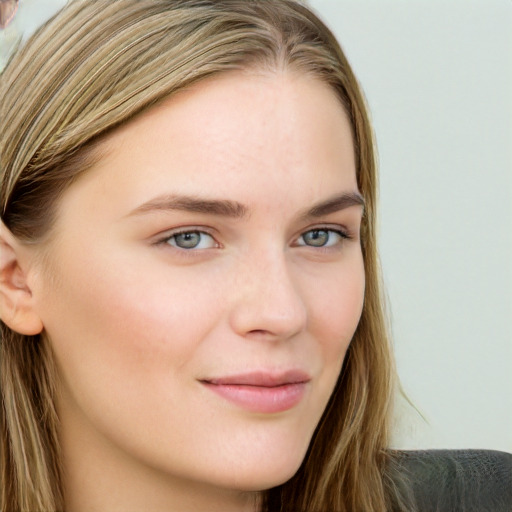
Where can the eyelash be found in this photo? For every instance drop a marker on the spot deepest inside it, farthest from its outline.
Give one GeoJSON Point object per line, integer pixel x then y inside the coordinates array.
{"type": "Point", "coordinates": [344, 235]}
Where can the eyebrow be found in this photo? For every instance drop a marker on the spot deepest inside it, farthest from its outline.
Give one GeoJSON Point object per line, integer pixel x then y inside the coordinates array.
{"type": "Point", "coordinates": [236, 210]}
{"type": "Point", "coordinates": [221, 207]}
{"type": "Point", "coordinates": [335, 204]}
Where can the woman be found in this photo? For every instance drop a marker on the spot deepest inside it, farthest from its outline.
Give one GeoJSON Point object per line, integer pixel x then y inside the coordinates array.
{"type": "Point", "coordinates": [191, 310]}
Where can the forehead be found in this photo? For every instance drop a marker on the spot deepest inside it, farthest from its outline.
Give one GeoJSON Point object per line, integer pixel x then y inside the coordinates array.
{"type": "Point", "coordinates": [247, 134]}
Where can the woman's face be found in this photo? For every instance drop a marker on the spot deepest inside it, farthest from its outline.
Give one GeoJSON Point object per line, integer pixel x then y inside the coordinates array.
{"type": "Point", "coordinates": [206, 279]}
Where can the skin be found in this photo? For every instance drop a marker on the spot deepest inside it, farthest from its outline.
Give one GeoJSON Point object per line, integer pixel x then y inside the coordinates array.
{"type": "Point", "coordinates": [137, 323]}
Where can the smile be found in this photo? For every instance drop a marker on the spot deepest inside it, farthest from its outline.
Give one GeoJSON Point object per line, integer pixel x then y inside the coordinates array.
{"type": "Point", "coordinates": [261, 392]}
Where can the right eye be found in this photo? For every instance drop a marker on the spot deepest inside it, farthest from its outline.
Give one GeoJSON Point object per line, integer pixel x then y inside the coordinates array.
{"type": "Point", "coordinates": [191, 240]}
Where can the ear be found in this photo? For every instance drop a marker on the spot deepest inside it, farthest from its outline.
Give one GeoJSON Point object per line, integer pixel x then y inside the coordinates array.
{"type": "Point", "coordinates": [17, 309]}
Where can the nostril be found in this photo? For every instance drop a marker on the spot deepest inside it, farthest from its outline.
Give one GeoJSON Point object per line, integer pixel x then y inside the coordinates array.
{"type": "Point", "coordinates": [262, 334]}
{"type": "Point", "coordinates": [258, 332]}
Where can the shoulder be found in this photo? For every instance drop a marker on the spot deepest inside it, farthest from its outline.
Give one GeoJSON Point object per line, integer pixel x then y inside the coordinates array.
{"type": "Point", "coordinates": [455, 480]}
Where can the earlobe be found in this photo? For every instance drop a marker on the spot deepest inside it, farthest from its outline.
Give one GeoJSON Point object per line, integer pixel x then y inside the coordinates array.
{"type": "Point", "coordinates": [17, 309]}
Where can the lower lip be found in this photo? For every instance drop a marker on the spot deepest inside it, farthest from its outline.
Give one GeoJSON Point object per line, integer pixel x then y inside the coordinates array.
{"type": "Point", "coordinates": [266, 400]}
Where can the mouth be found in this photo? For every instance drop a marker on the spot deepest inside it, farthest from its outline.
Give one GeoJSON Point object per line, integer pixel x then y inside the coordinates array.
{"type": "Point", "coordinates": [261, 392]}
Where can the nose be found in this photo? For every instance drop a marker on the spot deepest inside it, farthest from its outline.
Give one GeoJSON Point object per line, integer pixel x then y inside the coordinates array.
{"type": "Point", "coordinates": [268, 303]}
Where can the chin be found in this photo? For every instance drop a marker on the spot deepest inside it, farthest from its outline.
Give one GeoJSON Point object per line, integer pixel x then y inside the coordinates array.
{"type": "Point", "coordinates": [266, 475]}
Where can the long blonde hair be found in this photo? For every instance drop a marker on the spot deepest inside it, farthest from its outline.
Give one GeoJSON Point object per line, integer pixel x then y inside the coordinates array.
{"type": "Point", "coordinates": [95, 66]}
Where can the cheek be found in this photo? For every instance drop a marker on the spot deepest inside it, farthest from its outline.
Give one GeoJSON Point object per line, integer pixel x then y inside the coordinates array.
{"type": "Point", "coordinates": [336, 307]}
{"type": "Point", "coordinates": [335, 310]}
{"type": "Point", "coordinates": [113, 327]}
{"type": "Point", "coordinates": [126, 344]}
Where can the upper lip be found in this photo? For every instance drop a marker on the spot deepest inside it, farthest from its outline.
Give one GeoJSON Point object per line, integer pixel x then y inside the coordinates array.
{"type": "Point", "coordinates": [261, 379]}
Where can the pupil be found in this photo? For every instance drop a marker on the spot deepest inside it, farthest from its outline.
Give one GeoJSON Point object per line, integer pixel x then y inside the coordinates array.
{"type": "Point", "coordinates": [318, 237]}
{"type": "Point", "coordinates": [187, 240]}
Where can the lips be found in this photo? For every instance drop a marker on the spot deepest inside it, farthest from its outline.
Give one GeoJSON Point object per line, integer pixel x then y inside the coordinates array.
{"type": "Point", "coordinates": [261, 392]}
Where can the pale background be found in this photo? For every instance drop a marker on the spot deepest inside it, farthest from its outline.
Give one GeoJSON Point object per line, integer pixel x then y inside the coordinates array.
{"type": "Point", "coordinates": [438, 79]}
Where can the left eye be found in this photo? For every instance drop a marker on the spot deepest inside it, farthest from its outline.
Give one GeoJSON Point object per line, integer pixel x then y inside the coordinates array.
{"type": "Point", "coordinates": [191, 240]}
{"type": "Point", "coordinates": [321, 238]}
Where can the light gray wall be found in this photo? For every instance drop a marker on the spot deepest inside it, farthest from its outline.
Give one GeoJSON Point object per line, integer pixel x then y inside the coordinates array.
{"type": "Point", "coordinates": [438, 79]}
{"type": "Point", "coordinates": [30, 15]}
